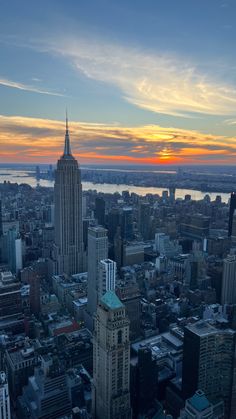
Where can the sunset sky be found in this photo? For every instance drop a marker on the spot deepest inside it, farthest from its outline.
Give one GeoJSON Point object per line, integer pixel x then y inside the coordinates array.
{"type": "Point", "coordinates": [144, 81]}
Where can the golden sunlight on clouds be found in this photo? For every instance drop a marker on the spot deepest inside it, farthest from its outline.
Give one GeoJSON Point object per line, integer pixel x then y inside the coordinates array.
{"type": "Point", "coordinates": [36, 140]}
{"type": "Point", "coordinates": [154, 81]}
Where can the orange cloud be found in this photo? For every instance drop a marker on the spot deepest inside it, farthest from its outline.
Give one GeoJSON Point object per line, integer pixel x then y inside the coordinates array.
{"type": "Point", "coordinates": [35, 140]}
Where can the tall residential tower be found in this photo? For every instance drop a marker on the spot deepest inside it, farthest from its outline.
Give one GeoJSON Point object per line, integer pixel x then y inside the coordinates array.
{"type": "Point", "coordinates": [68, 249]}
{"type": "Point", "coordinates": [97, 251]}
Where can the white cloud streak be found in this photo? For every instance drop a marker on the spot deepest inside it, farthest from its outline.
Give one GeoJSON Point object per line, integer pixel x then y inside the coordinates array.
{"type": "Point", "coordinates": [25, 87]}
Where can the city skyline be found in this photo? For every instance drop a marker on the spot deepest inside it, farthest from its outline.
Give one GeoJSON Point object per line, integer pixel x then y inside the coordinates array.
{"type": "Point", "coordinates": [144, 83]}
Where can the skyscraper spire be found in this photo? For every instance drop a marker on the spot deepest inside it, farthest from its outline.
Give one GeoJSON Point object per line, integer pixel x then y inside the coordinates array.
{"type": "Point", "coordinates": [67, 150]}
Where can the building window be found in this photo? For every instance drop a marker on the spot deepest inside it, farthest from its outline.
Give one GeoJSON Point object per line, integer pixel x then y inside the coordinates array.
{"type": "Point", "coordinates": [119, 336]}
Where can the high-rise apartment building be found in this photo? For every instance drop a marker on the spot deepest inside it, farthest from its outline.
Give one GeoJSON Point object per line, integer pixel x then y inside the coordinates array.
{"type": "Point", "coordinates": [97, 251]}
{"type": "Point", "coordinates": [111, 360]}
{"type": "Point", "coordinates": [68, 249]}
{"type": "Point", "coordinates": [107, 277]}
{"type": "Point", "coordinates": [209, 364]}
{"type": "Point", "coordinates": [5, 412]}
{"type": "Point", "coordinates": [228, 293]}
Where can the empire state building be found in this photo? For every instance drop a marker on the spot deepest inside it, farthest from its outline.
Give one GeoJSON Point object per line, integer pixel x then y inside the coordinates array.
{"type": "Point", "coordinates": [68, 249]}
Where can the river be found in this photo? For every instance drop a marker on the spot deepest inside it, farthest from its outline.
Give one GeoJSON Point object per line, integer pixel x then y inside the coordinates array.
{"type": "Point", "coordinates": [23, 176]}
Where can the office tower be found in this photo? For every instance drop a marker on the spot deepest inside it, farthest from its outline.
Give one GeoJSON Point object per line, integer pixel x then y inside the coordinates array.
{"type": "Point", "coordinates": [111, 360]}
{"type": "Point", "coordinates": [31, 277]}
{"type": "Point", "coordinates": [233, 231]}
{"type": "Point", "coordinates": [209, 364]}
{"type": "Point", "coordinates": [195, 226]}
{"type": "Point", "coordinates": [20, 362]}
{"type": "Point", "coordinates": [46, 394]}
{"type": "Point", "coordinates": [172, 194]}
{"type": "Point", "coordinates": [37, 173]}
{"type": "Point", "coordinates": [145, 377]}
{"type": "Point", "coordinates": [68, 250]}
{"type": "Point", "coordinates": [14, 250]}
{"type": "Point", "coordinates": [1, 229]}
{"type": "Point", "coordinates": [84, 206]}
{"type": "Point", "coordinates": [106, 277]}
{"type": "Point", "coordinates": [228, 293]}
{"type": "Point", "coordinates": [1, 235]}
{"type": "Point", "coordinates": [232, 207]}
{"type": "Point", "coordinates": [19, 257]}
{"type": "Point", "coordinates": [86, 224]}
{"type": "Point", "coordinates": [100, 210]}
{"type": "Point", "coordinates": [97, 250]}
{"type": "Point", "coordinates": [127, 223]}
{"type": "Point", "coordinates": [113, 222]}
{"type": "Point", "coordinates": [144, 219]}
{"type": "Point", "coordinates": [10, 295]}
{"type": "Point", "coordinates": [165, 246]}
{"type": "Point", "coordinates": [52, 214]}
{"type": "Point", "coordinates": [118, 248]}
{"type": "Point", "coordinates": [5, 412]}
{"type": "Point", "coordinates": [50, 172]}
{"type": "Point", "coordinates": [199, 407]}
{"type": "Point", "coordinates": [129, 294]}
{"type": "Point", "coordinates": [133, 253]}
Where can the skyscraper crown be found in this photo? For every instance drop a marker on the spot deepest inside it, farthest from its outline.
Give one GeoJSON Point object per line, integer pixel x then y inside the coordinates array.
{"type": "Point", "coordinates": [67, 150]}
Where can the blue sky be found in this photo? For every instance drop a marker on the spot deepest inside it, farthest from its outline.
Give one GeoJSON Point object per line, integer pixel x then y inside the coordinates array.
{"type": "Point", "coordinates": [128, 64]}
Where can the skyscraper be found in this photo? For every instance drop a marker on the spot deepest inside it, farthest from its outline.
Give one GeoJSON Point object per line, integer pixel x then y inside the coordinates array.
{"type": "Point", "coordinates": [145, 386]}
{"type": "Point", "coordinates": [232, 207]}
{"type": "Point", "coordinates": [209, 364]}
{"type": "Point", "coordinates": [1, 232]}
{"type": "Point", "coordinates": [68, 249]}
{"type": "Point", "coordinates": [127, 223]}
{"type": "Point", "coordinates": [111, 360]}
{"type": "Point", "coordinates": [97, 250]}
{"type": "Point", "coordinates": [100, 210]}
{"type": "Point", "coordinates": [5, 412]}
{"type": "Point", "coordinates": [31, 277]}
{"type": "Point", "coordinates": [10, 296]}
{"type": "Point", "coordinates": [14, 250]}
{"type": "Point", "coordinates": [144, 219]}
{"type": "Point", "coordinates": [107, 277]}
{"type": "Point", "coordinates": [228, 293]}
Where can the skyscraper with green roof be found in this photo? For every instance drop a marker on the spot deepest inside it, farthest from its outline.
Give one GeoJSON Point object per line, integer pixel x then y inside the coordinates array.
{"type": "Point", "coordinates": [111, 360]}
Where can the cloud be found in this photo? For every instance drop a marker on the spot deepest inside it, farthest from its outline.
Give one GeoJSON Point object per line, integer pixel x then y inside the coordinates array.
{"type": "Point", "coordinates": [22, 86]}
{"type": "Point", "coordinates": [230, 121]}
{"type": "Point", "coordinates": [157, 82]}
{"type": "Point", "coordinates": [42, 140]}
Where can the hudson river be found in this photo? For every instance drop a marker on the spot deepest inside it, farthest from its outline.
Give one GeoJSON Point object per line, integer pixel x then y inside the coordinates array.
{"type": "Point", "coordinates": [21, 176]}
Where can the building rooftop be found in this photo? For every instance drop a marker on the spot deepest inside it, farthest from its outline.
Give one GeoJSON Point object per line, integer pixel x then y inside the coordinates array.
{"type": "Point", "coordinates": [199, 401]}
{"type": "Point", "coordinates": [203, 328]}
{"type": "Point", "coordinates": [111, 301]}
